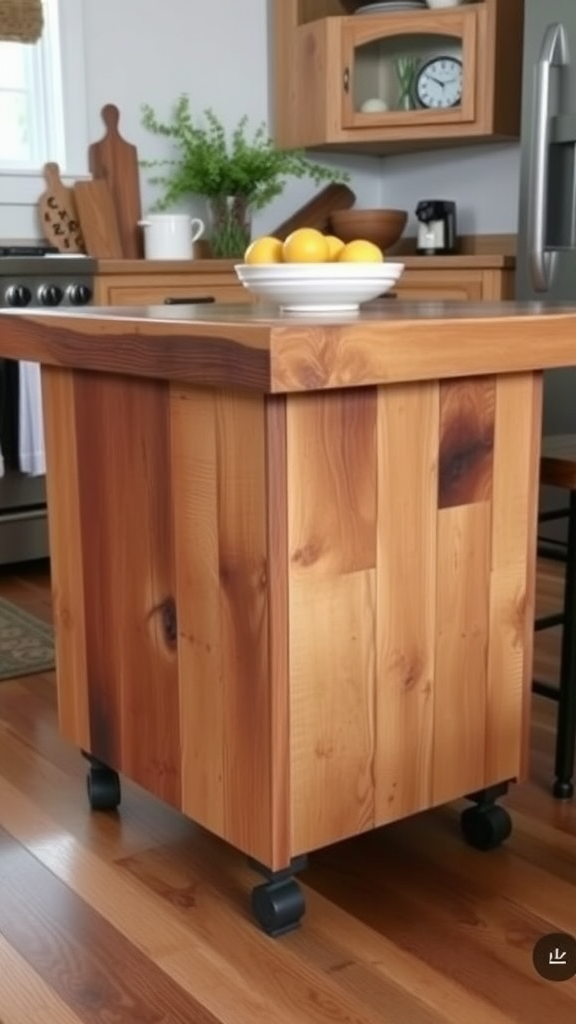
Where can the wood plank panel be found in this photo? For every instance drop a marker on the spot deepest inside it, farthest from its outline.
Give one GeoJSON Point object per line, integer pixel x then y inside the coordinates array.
{"type": "Point", "coordinates": [332, 492]}
{"type": "Point", "coordinates": [461, 650]}
{"type": "Point", "coordinates": [202, 685]}
{"type": "Point", "coordinates": [219, 466]}
{"type": "Point", "coordinates": [128, 567]}
{"type": "Point", "coordinates": [331, 471]}
{"type": "Point", "coordinates": [512, 583]}
{"type": "Point", "coordinates": [332, 699]}
{"type": "Point", "coordinates": [466, 441]}
{"type": "Point", "coordinates": [277, 505]}
{"type": "Point", "coordinates": [408, 418]}
{"type": "Point", "coordinates": [66, 550]}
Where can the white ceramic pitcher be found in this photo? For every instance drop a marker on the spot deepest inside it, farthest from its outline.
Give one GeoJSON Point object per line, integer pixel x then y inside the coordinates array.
{"type": "Point", "coordinates": [170, 236]}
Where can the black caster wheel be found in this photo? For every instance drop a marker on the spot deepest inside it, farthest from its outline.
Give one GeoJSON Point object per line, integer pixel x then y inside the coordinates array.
{"type": "Point", "coordinates": [485, 828]}
{"type": "Point", "coordinates": [278, 906]}
{"type": "Point", "coordinates": [563, 790]}
{"type": "Point", "coordinates": [103, 787]}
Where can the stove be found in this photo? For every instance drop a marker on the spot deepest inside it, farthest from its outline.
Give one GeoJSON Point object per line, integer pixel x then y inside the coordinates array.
{"type": "Point", "coordinates": [31, 276]}
{"type": "Point", "coordinates": [39, 276]}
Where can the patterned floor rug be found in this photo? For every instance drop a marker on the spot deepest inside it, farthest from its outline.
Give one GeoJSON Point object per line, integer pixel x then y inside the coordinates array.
{"type": "Point", "coordinates": [26, 643]}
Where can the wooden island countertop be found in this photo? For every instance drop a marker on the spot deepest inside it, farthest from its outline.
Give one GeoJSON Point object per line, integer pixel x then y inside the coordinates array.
{"type": "Point", "coordinates": [293, 559]}
{"type": "Point", "coordinates": [220, 345]}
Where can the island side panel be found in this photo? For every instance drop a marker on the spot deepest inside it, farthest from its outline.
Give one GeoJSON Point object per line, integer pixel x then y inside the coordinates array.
{"type": "Point", "coordinates": [465, 474]}
{"type": "Point", "coordinates": [408, 418]}
{"type": "Point", "coordinates": [513, 574]}
{"type": "Point", "coordinates": [66, 563]}
{"type": "Point", "coordinates": [277, 523]}
{"type": "Point", "coordinates": [331, 473]}
{"type": "Point", "coordinates": [127, 551]}
{"type": "Point", "coordinates": [223, 567]}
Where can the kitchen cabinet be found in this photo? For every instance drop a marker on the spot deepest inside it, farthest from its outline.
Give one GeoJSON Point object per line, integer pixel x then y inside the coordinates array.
{"type": "Point", "coordinates": [149, 282]}
{"type": "Point", "coordinates": [152, 282]}
{"type": "Point", "coordinates": [471, 278]}
{"type": "Point", "coordinates": [332, 65]}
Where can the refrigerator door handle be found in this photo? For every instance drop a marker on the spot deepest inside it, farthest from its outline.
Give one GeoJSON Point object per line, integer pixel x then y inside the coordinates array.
{"type": "Point", "coordinates": [554, 52]}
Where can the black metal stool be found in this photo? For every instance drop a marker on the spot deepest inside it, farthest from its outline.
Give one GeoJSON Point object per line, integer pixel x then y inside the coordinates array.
{"type": "Point", "coordinates": [558, 469]}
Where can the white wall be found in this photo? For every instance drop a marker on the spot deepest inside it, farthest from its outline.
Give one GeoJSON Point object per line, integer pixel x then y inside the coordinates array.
{"type": "Point", "coordinates": [483, 180]}
{"type": "Point", "coordinates": [217, 51]}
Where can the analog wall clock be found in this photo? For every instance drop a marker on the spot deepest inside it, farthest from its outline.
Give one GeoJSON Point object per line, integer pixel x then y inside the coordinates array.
{"type": "Point", "coordinates": [438, 83]}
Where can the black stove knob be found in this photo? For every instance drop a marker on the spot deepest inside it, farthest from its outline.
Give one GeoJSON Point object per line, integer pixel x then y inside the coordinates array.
{"type": "Point", "coordinates": [79, 294]}
{"type": "Point", "coordinates": [17, 295]}
{"type": "Point", "coordinates": [50, 295]}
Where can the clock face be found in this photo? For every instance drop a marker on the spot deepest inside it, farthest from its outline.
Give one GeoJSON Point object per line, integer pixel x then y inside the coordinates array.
{"type": "Point", "coordinates": [439, 83]}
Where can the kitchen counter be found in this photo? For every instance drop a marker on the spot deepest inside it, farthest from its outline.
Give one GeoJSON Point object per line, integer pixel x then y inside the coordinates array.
{"type": "Point", "coordinates": [293, 560]}
{"type": "Point", "coordinates": [474, 261]}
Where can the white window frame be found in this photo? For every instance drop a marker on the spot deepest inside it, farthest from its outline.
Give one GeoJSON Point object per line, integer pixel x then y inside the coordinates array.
{"type": "Point", "coordinates": [22, 186]}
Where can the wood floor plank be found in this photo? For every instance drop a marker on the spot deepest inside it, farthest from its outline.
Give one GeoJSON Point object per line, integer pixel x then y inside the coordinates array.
{"type": "Point", "coordinates": [25, 998]}
{"type": "Point", "coordinates": [89, 964]}
{"type": "Point", "coordinates": [482, 938]}
{"type": "Point", "coordinates": [194, 924]}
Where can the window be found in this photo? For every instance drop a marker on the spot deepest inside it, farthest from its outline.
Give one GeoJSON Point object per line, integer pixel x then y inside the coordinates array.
{"type": "Point", "coordinates": [42, 102]}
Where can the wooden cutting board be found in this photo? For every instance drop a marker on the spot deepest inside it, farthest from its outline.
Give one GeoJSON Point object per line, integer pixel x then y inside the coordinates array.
{"type": "Point", "coordinates": [58, 213]}
{"type": "Point", "coordinates": [98, 219]}
{"type": "Point", "coordinates": [316, 212]}
{"type": "Point", "coordinates": [116, 161]}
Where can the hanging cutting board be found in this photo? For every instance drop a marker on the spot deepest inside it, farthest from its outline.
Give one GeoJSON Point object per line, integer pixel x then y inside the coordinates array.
{"type": "Point", "coordinates": [98, 219]}
{"type": "Point", "coordinates": [58, 213]}
{"type": "Point", "coordinates": [316, 212]}
{"type": "Point", "coordinates": [116, 161]}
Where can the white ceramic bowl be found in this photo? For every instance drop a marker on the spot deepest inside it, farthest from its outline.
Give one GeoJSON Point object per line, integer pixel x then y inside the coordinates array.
{"type": "Point", "coordinates": [444, 3]}
{"type": "Point", "coordinates": [319, 287]}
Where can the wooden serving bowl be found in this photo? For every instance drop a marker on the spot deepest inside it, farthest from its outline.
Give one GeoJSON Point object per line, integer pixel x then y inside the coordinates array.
{"type": "Point", "coordinates": [383, 227]}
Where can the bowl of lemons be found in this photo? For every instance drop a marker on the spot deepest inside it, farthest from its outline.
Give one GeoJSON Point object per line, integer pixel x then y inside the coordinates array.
{"type": "Point", "coordinates": [312, 272]}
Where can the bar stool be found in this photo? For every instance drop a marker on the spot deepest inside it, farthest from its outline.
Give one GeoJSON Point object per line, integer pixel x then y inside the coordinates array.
{"type": "Point", "coordinates": [558, 469]}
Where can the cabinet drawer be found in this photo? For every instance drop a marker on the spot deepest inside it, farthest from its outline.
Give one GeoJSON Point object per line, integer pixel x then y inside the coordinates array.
{"type": "Point", "coordinates": [156, 295]}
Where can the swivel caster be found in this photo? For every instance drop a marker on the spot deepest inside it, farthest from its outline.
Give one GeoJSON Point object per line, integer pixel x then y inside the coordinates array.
{"type": "Point", "coordinates": [103, 786]}
{"type": "Point", "coordinates": [486, 826]}
{"type": "Point", "coordinates": [278, 906]}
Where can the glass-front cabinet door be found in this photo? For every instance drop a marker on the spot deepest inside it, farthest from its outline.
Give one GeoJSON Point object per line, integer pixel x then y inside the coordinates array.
{"type": "Point", "coordinates": [413, 69]}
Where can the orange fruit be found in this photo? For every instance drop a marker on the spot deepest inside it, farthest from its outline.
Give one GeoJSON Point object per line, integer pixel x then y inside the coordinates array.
{"type": "Point", "coordinates": [360, 251]}
{"type": "Point", "coordinates": [264, 250]}
{"type": "Point", "coordinates": [335, 246]}
{"type": "Point", "coordinates": [306, 245]}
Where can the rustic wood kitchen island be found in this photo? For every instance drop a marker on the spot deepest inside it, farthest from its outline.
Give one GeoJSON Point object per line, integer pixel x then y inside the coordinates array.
{"type": "Point", "coordinates": [293, 561]}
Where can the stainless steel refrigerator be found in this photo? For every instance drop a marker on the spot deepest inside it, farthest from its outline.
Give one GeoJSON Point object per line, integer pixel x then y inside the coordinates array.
{"type": "Point", "coordinates": [546, 267]}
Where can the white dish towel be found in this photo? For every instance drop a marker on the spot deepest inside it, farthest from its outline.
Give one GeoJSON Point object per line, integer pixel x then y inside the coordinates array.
{"type": "Point", "coordinates": [31, 452]}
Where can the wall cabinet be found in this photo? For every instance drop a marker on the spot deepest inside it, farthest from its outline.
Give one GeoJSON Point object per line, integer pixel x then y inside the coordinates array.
{"type": "Point", "coordinates": [346, 78]}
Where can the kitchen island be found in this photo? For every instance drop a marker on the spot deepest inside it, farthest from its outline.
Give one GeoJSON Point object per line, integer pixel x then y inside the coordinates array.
{"type": "Point", "coordinates": [293, 561]}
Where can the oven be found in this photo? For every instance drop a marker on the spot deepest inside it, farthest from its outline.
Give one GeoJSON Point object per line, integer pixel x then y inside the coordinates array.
{"type": "Point", "coordinates": [31, 276]}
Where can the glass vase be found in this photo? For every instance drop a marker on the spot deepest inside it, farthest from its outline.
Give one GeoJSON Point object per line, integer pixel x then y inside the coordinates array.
{"type": "Point", "coordinates": [230, 224]}
{"type": "Point", "coordinates": [406, 68]}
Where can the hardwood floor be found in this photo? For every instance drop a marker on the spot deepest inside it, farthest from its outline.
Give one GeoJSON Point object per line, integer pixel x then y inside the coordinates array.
{"type": "Point", "coordinates": [141, 917]}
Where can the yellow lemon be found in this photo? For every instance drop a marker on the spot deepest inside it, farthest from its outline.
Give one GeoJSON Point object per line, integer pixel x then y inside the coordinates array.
{"type": "Point", "coordinates": [335, 246]}
{"type": "Point", "coordinates": [306, 245]}
{"type": "Point", "coordinates": [264, 250]}
{"type": "Point", "coordinates": [360, 251]}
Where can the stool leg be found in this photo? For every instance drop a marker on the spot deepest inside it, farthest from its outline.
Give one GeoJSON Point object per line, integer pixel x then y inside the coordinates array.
{"type": "Point", "coordinates": [566, 725]}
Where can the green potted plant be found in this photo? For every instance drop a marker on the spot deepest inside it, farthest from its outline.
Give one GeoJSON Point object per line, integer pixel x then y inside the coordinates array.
{"type": "Point", "coordinates": [236, 175]}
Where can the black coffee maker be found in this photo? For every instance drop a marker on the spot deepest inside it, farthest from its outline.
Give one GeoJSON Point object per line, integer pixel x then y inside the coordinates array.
{"type": "Point", "coordinates": [436, 227]}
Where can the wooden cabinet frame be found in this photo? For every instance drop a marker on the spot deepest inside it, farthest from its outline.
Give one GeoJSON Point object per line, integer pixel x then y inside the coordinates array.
{"type": "Point", "coordinates": [314, 45]}
{"type": "Point", "coordinates": [466, 24]}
